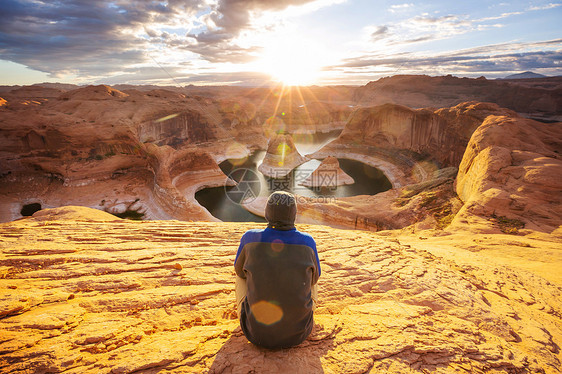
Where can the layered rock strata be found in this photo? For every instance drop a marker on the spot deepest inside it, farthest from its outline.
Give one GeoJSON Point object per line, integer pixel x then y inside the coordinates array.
{"type": "Point", "coordinates": [115, 149]}
{"type": "Point", "coordinates": [146, 153]}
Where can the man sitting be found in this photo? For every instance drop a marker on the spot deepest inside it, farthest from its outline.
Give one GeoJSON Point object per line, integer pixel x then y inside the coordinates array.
{"type": "Point", "coordinates": [277, 272]}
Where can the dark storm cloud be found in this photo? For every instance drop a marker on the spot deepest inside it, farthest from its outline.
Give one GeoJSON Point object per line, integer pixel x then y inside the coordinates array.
{"type": "Point", "coordinates": [82, 36]}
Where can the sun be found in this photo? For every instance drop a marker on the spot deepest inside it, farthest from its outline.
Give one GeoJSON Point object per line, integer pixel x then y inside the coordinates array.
{"type": "Point", "coordinates": [292, 61]}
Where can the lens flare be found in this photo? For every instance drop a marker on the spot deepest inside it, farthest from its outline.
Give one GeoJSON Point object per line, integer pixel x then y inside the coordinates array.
{"type": "Point", "coordinates": [166, 118]}
{"type": "Point", "coordinates": [277, 245]}
{"type": "Point", "coordinates": [267, 312]}
{"type": "Point", "coordinates": [273, 125]}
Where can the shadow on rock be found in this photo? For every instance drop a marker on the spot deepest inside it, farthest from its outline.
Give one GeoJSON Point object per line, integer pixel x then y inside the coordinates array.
{"type": "Point", "coordinates": [238, 355]}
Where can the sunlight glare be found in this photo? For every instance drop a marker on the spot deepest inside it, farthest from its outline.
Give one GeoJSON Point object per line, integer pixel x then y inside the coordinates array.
{"type": "Point", "coordinates": [292, 61]}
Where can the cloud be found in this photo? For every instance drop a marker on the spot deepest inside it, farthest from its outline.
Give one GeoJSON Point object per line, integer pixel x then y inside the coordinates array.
{"type": "Point", "coordinates": [227, 20]}
{"type": "Point", "coordinates": [424, 27]}
{"type": "Point", "coordinates": [417, 40]}
{"type": "Point", "coordinates": [419, 29]}
{"type": "Point", "coordinates": [543, 7]}
{"type": "Point", "coordinates": [86, 38]}
{"type": "Point", "coordinates": [448, 23]}
{"type": "Point", "coordinates": [480, 60]}
{"type": "Point", "coordinates": [399, 7]}
{"type": "Point", "coordinates": [503, 15]}
{"type": "Point", "coordinates": [244, 78]}
{"type": "Point", "coordinates": [224, 51]}
{"type": "Point", "coordinates": [379, 33]}
{"type": "Point", "coordinates": [178, 76]}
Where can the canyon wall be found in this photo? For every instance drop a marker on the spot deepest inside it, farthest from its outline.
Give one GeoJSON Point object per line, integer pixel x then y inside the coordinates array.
{"type": "Point", "coordinates": [112, 150]}
{"type": "Point", "coordinates": [127, 150]}
{"type": "Point", "coordinates": [440, 135]}
{"type": "Point", "coordinates": [118, 150]}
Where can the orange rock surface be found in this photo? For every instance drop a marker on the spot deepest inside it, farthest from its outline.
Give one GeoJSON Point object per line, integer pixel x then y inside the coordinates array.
{"type": "Point", "coordinates": [512, 171]}
{"type": "Point", "coordinates": [84, 292]}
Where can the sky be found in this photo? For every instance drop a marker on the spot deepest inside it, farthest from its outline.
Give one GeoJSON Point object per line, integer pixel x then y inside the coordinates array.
{"type": "Point", "coordinates": [257, 42]}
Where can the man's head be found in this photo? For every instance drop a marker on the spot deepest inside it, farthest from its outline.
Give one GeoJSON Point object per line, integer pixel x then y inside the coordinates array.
{"type": "Point", "coordinates": [281, 210]}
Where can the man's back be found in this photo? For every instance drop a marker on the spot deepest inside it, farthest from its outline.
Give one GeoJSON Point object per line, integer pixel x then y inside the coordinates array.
{"type": "Point", "coordinates": [280, 268]}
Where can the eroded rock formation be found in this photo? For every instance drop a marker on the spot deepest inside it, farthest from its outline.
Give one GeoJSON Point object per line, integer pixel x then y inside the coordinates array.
{"type": "Point", "coordinates": [470, 284]}
{"type": "Point", "coordinates": [119, 150]}
{"type": "Point", "coordinates": [328, 174]}
{"type": "Point", "coordinates": [400, 136]}
{"type": "Point", "coordinates": [84, 292]}
{"type": "Point", "coordinates": [110, 148]}
{"type": "Point", "coordinates": [281, 157]}
{"type": "Point", "coordinates": [100, 147]}
{"type": "Point", "coordinates": [512, 168]}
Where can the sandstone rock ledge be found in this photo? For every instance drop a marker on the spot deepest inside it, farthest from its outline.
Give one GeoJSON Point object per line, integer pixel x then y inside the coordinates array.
{"type": "Point", "coordinates": [103, 295]}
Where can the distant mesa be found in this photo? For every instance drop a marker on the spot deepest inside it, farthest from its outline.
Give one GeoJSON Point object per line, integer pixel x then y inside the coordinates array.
{"type": "Point", "coordinates": [535, 98]}
{"type": "Point", "coordinates": [36, 91]}
{"type": "Point", "coordinates": [101, 92]}
{"type": "Point", "coordinates": [525, 75]}
{"type": "Point", "coordinates": [328, 174]}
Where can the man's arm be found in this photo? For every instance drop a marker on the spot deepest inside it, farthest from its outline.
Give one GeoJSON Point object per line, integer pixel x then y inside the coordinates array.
{"type": "Point", "coordinates": [317, 270]}
{"type": "Point", "coordinates": [240, 258]}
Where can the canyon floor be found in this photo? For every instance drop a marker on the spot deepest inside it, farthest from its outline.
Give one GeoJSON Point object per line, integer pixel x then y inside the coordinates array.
{"type": "Point", "coordinates": [82, 291]}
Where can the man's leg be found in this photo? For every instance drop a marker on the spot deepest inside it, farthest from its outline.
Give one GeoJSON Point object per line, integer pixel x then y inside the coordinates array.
{"type": "Point", "coordinates": [240, 290]}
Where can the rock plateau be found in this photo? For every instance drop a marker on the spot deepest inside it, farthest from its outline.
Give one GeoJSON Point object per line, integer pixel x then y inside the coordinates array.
{"type": "Point", "coordinates": [85, 292]}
